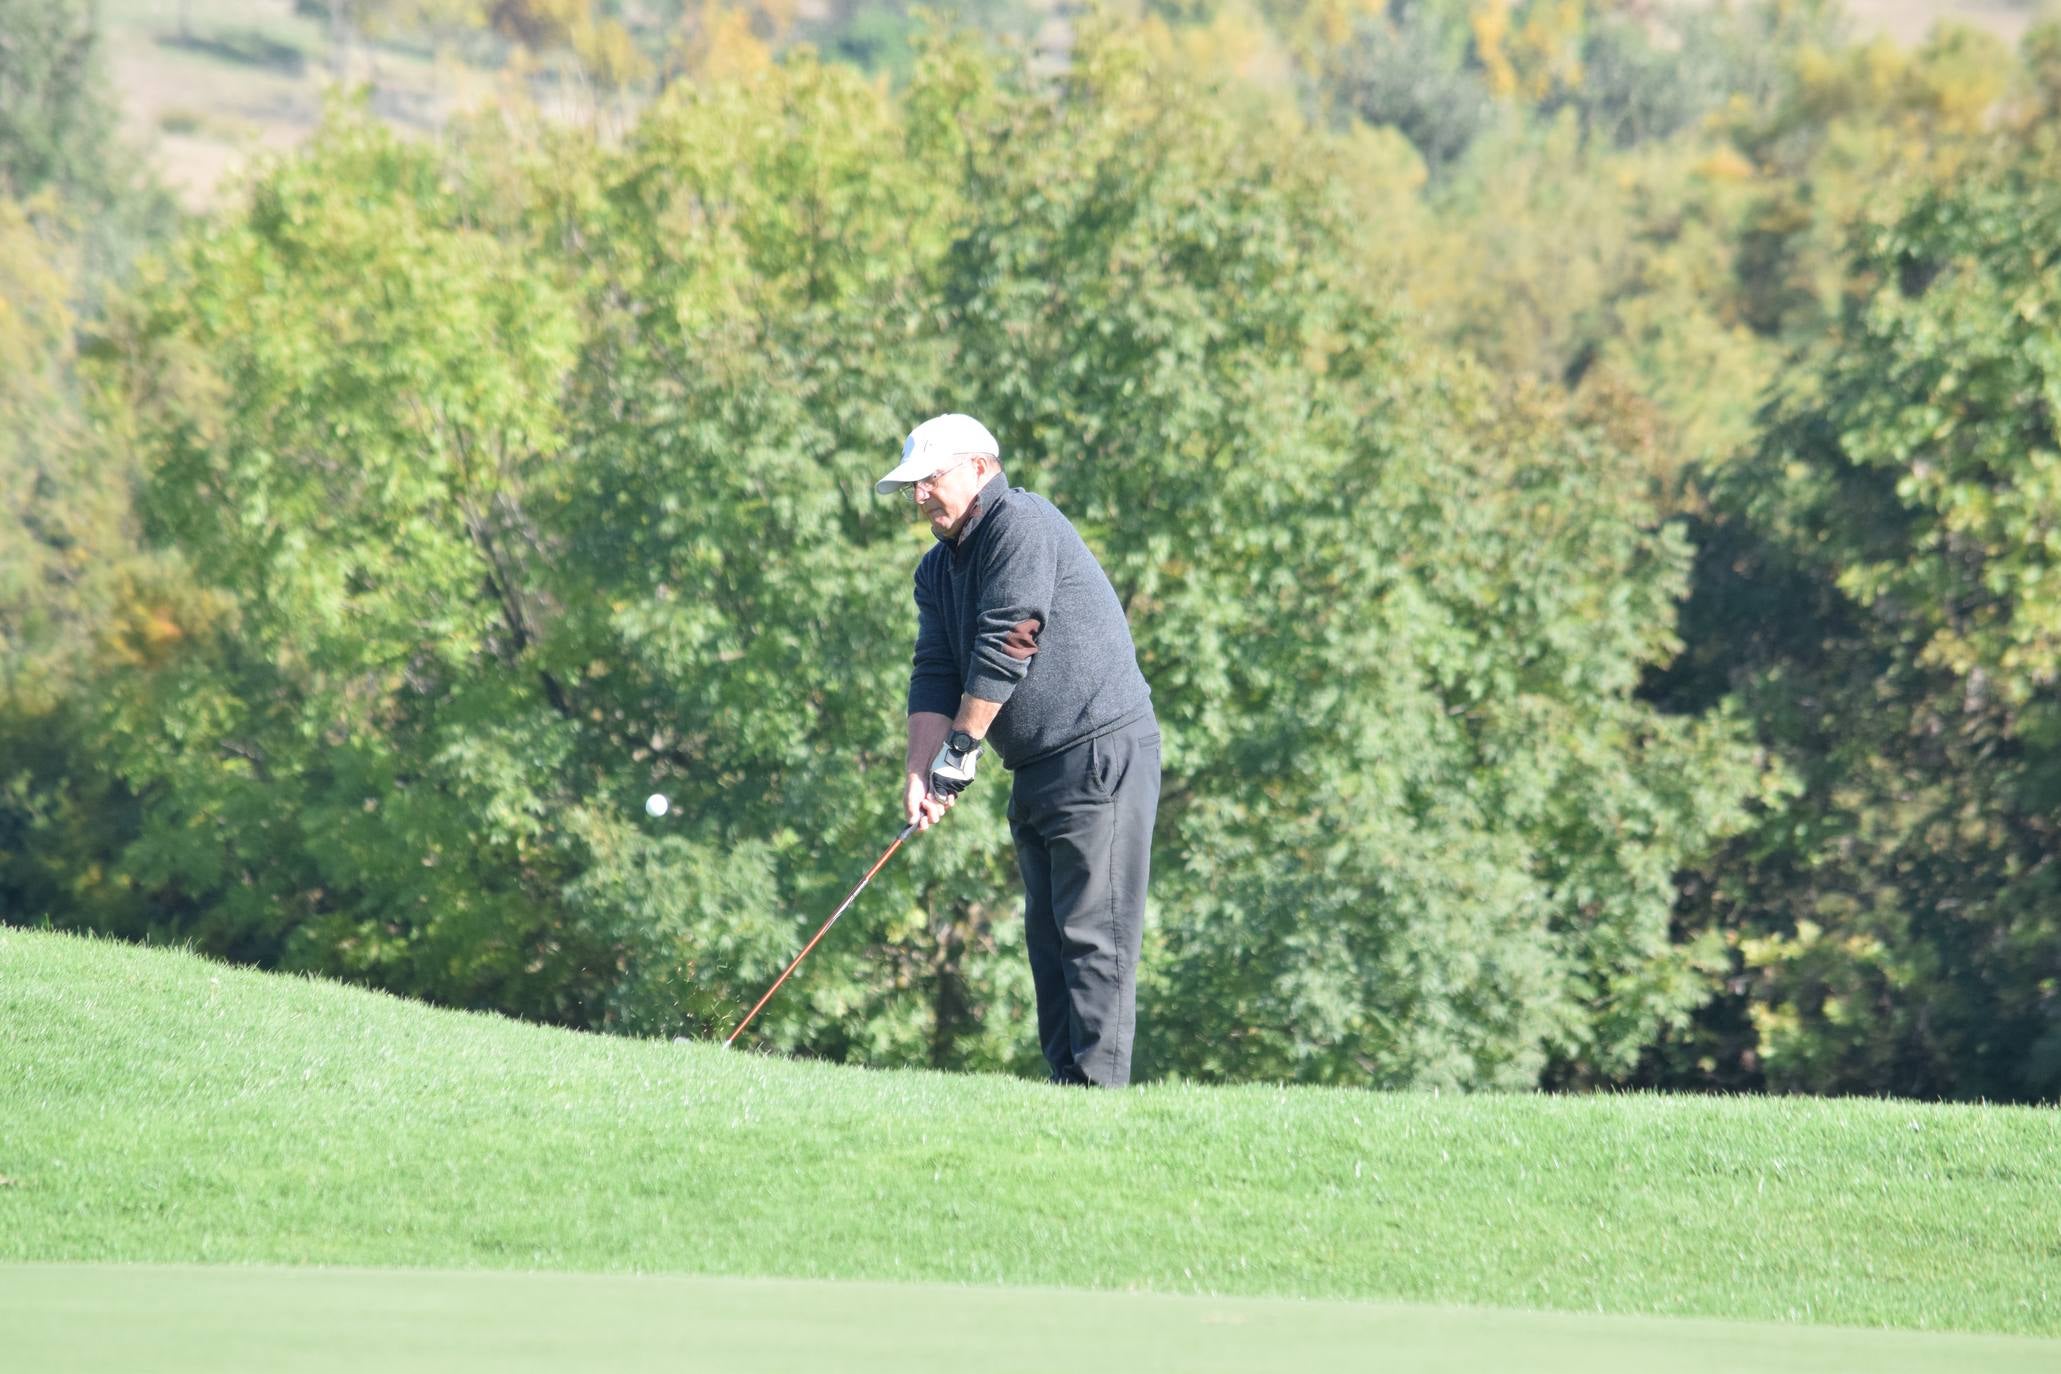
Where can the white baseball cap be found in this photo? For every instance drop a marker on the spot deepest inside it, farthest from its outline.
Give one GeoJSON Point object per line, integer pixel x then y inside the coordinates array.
{"type": "Point", "coordinates": [932, 446]}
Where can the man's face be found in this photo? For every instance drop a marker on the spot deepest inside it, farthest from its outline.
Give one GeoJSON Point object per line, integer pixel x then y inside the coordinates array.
{"type": "Point", "coordinates": [946, 498]}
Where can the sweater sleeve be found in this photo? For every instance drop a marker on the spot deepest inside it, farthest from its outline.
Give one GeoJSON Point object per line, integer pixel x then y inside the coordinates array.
{"type": "Point", "coordinates": [1017, 582]}
{"type": "Point", "coordinates": [934, 677]}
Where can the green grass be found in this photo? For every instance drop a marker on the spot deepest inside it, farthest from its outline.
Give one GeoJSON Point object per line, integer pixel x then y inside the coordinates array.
{"type": "Point", "coordinates": [156, 1107]}
{"type": "Point", "coordinates": [174, 1320]}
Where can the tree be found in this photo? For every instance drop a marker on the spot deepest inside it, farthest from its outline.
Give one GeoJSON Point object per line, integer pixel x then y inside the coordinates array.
{"type": "Point", "coordinates": [74, 587]}
{"type": "Point", "coordinates": [1882, 594]}
{"type": "Point", "coordinates": [56, 123]}
{"type": "Point", "coordinates": [333, 762]}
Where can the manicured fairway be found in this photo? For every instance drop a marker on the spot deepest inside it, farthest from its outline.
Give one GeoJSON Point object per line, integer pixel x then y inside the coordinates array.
{"type": "Point", "coordinates": [91, 1318]}
{"type": "Point", "coordinates": [157, 1107]}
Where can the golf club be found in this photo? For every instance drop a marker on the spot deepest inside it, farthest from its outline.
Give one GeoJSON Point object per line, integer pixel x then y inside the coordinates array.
{"type": "Point", "coordinates": [907, 831]}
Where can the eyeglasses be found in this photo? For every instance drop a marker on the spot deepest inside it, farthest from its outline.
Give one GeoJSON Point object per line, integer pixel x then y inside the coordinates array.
{"type": "Point", "coordinates": [930, 482]}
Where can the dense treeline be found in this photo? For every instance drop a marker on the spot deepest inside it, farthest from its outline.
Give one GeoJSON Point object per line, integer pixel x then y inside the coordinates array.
{"type": "Point", "coordinates": [1583, 490]}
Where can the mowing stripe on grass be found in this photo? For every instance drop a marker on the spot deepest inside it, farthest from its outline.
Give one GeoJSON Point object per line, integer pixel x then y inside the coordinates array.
{"type": "Point", "coordinates": [84, 1319]}
{"type": "Point", "coordinates": [157, 1107]}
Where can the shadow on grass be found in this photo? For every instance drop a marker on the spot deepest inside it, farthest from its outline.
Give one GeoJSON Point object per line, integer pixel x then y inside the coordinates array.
{"type": "Point", "coordinates": [245, 47]}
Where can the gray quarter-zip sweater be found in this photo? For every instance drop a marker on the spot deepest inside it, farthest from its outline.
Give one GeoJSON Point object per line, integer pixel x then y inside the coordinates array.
{"type": "Point", "coordinates": [1018, 611]}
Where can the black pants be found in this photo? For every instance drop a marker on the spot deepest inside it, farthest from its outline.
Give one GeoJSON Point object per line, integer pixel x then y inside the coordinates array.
{"type": "Point", "coordinates": [1082, 819]}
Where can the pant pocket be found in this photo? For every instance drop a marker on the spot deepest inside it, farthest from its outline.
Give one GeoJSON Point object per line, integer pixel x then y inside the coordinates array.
{"type": "Point", "coordinates": [1109, 760]}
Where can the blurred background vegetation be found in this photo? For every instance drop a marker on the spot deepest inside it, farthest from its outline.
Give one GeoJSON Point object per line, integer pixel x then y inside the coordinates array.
{"type": "Point", "coordinates": [1583, 476]}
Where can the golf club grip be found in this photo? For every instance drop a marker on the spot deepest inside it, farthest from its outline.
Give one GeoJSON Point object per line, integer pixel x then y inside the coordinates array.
{"type": "Point", "coordinates": [851, 897]}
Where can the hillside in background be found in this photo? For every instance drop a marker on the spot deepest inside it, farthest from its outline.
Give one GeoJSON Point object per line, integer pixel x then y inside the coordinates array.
{"type": "Point", "coordinates": [204, 85]}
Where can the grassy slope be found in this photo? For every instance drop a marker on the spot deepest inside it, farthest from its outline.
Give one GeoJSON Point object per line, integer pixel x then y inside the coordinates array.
{"type": "Point", "coordinates": [157, 1107]}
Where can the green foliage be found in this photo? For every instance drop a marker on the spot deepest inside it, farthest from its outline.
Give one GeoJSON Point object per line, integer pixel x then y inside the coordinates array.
{"type": "Point", "coordinates": [57, 137]}
{"type": "Point", "coordinates": [347, 453]}
{"type": "Point", "coordinates": [1409, 70]}
{"type": "Point", "coordinates": [53, 587]}
{"type": "Point", "coordinates": [877, 38]}
{"type": "Point", "coordinates": [887, 36]}
{"type": "Point", "coordinates": [1657, 224]}
{"type": "Point", "coordinates": [1887, 606]}
{"type": "Point", "coordinates": [1613, 274]}
{"type": "Point", "coordinates": [55, 118]}
{"type": "Point", "coordinates": [1645, 79]}
{"type": "Point", "coordinates": [72, 587]}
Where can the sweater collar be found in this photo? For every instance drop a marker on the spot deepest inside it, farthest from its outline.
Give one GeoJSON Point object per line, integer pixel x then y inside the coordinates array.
{"type": "Point", "coordinates": [990, 496]}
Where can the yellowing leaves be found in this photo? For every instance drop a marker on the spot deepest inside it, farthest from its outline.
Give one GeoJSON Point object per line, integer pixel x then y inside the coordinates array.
{"type": "Point", "coordinates": [1489, 21]}
{"type": "Point", "coordinates": [724, 43]}
{"type": "Point", "coordinates": [1231, 46]}
{"type": "Point", "coordinates": [36, 285]}
{"type": "Point", "coordinates": [1528, 55]}
{"type": "Point", "coordinates": [1725, 163]}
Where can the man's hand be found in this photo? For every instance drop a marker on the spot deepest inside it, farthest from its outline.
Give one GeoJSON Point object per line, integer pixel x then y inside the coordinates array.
{"type": "Point", "coordinates": [951, 770]}
{"type": "Point", "coordinates": [924, 801]}
{"type": "Point", "coordinates": [923, 809]}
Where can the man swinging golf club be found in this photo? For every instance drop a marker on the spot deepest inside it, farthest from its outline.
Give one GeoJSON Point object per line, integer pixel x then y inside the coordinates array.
{"type": "Point", "coordinates": [1021, 643]}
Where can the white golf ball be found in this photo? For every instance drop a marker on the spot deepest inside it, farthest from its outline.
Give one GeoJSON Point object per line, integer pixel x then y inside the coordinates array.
{"type": "Point", "coordinates": [656, 804]}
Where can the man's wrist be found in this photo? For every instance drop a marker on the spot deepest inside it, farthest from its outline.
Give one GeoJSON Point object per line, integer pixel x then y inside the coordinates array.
{"type": "Point", "coordinates": [976, 716]}
{"type": "Point", "coordinates": [927, 730]}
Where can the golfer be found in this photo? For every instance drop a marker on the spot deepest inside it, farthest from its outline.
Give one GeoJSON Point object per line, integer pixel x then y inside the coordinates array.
{"type": "Point", "coordinates": [1021, 644]}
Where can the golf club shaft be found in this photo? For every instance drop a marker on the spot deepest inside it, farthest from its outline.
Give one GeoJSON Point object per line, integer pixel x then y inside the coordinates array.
{"type": "Point", "coordinates": [907, 831]}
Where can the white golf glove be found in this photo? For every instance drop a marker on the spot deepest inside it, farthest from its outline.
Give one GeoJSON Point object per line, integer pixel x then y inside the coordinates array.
{"type": "Point", "coordinates": [952, 769]}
